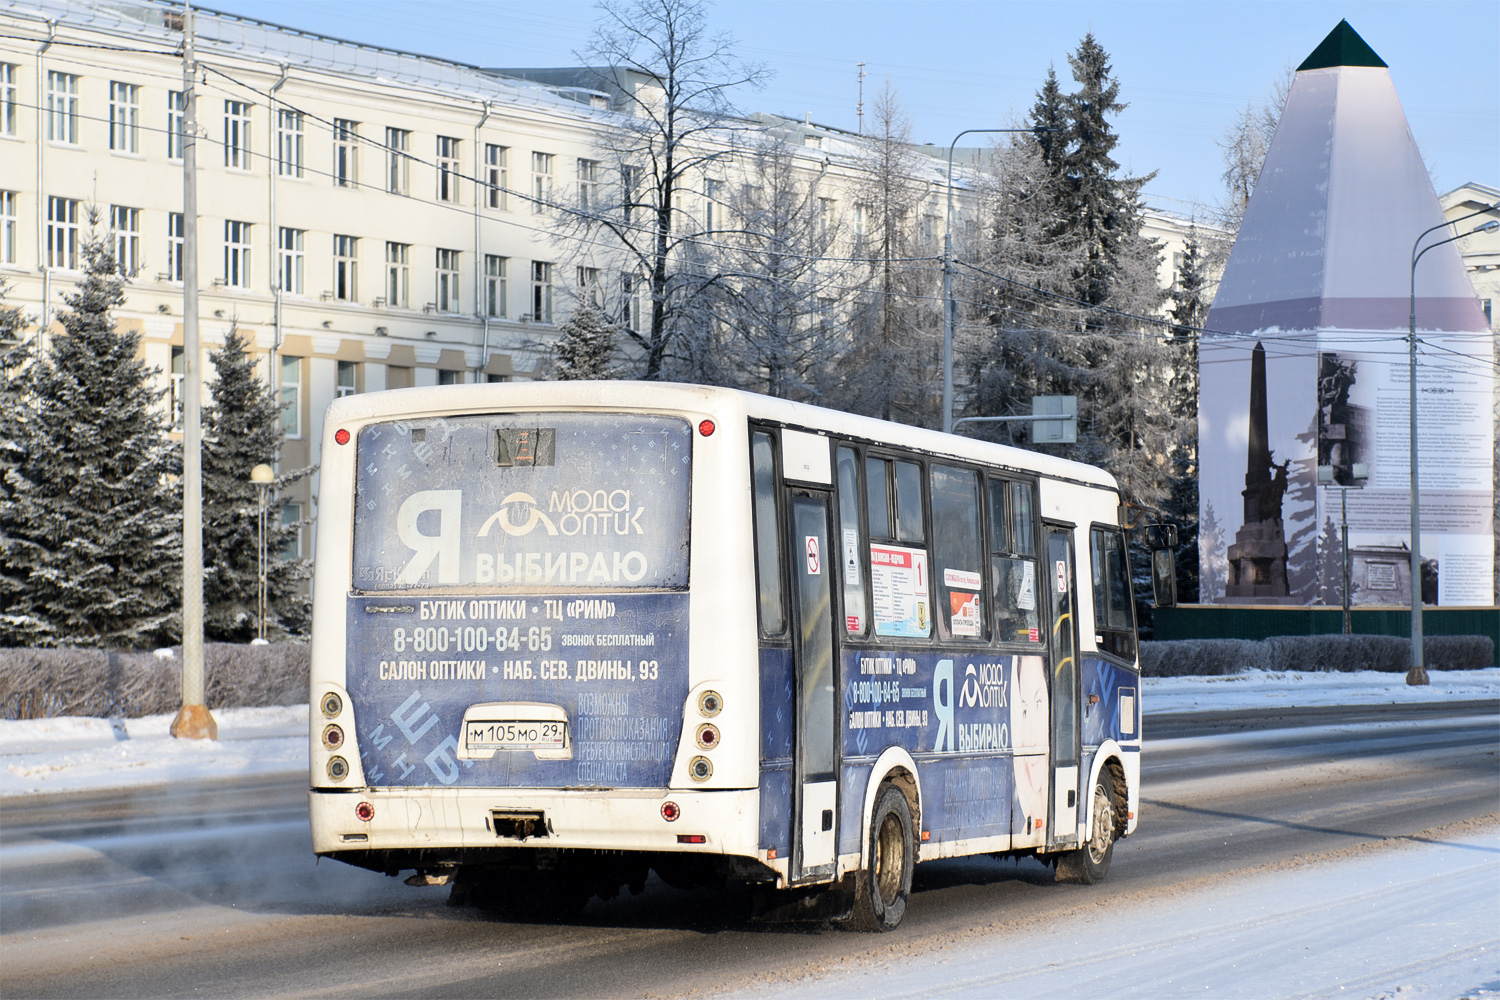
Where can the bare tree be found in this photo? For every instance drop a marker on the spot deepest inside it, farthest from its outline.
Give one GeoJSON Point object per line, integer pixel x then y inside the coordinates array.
{"type": "Point", "coordinates": [773, 315]}
{"type": "Point", "coordinates": [670, 80]}
{"type": "Point", "coordinates": [1245, 144]}
{"type": "Point", "coordinates": [893, 370]}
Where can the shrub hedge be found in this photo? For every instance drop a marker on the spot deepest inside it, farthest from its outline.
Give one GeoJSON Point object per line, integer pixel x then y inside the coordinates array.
{"type": "Point", "coordinates": [38, 683]}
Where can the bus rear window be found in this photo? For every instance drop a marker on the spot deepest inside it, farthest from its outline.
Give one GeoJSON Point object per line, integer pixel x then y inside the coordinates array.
{"type": "Point", "coordinates": [538, 500]}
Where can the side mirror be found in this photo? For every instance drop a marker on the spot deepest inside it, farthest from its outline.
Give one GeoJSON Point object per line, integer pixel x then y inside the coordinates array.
{"type": "Point", "coordinates": [1161, 539]}
{"type": "Point", "coordinates": [1161, 536]}
{"type": "Point", "coordinates": [1164, 577]}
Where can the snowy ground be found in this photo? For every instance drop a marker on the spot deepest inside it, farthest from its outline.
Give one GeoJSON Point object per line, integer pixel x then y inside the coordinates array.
{"type": "Point", "coordinates": [1406, 921]}
{"type": "Point", "coordinates": [45, 756]}
{"type": "Point", "coordinates": [1411, 919]}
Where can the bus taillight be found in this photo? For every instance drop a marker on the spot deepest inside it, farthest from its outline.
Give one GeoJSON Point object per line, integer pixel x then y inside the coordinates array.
{"type": "Point", "coordinates": [341, 435]}
{"type": "Point", "coordinates": [670, 812]}
{"type": "Point", "coordinates": [708, 736]}
{"type": "Point", "coordinates": [706, 428]}
{"type": "Point", "coordinates": [364, 812]}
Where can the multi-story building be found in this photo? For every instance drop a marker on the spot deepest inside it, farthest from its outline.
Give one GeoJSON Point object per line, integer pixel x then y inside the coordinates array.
{"type": "Point", "coordinates": [370, 218]}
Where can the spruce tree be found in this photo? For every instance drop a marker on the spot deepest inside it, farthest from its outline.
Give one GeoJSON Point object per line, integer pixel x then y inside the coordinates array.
{"type": "Point", "coordinates": [585, 346]}
{"type": "Point", "coordinates": [242, 429]}
{"type": "Point", "coordinates": [17, 418]}
{"type": "Point", "coordinates": [92, 513]}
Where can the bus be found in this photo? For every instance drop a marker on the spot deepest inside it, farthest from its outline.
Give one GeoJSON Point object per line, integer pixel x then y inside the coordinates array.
{"type": "Point", "coordinates": [568, 634]}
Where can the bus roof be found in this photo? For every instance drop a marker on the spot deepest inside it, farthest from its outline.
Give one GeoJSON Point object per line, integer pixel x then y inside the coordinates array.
{"type": "Point", "coordinates": [614, 395]}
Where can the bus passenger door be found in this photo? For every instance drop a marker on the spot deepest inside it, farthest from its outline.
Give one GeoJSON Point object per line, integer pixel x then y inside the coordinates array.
{"type": "Point", "coordinates": [1063, 647]}
{"type": "Point", "coordinates": [814, 666]}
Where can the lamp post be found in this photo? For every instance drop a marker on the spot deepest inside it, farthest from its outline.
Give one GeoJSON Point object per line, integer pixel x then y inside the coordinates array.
{"type": "Point", "coordinates": [1417, 674]}
{"type": "Point", "coordinates": [1356, 480]}
{"type": "Point", "coordinates": [949, 306]}
{"type": "Point", "coordinates": [262, 476]}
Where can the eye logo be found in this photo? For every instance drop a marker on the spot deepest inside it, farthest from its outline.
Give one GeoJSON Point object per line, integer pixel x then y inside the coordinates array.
{"type": "Point", "coordinates": [969, 696]}
{"type": "Point", "coordinates": [533, 518]}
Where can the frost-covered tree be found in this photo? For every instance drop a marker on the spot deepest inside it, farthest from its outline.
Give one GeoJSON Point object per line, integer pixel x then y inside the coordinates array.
{"type": "Point", "coordinates": [1245, 143]}
{"type": "Point", "coordinates": [772, 323]}
{"type": "Point", "coordinates": [585, 347]}
{"type": "Point", "coordinates": [91, 512]}
{"type": "Point", "coordinates": [894, 370]}
{"type": "Point", "coordinates": [671, 79]}
{"type": "Point", "coordinates": [17, 418]}
{"type": "Point", "coordinates": [242, 429]}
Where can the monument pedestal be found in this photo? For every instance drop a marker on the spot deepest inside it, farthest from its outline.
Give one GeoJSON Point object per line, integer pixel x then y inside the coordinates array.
{"type": "Point", "coordinates": [1257, 563]}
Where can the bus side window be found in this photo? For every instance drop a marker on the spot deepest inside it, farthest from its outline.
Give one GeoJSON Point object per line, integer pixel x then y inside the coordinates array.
{"type": "Point", "coordinates": [851, 544]}
{"type": "Point", "coordinates": [957, 552]}
{"type": "Point", "coordinates": [767, 536]}
{"type": "Point", "coordinates": [1013, 570]}
{"type": "Point", "coordinates": [1022, 520]}
{"type": "Point", "coordinates": [1114, 612]}
{"type": "Point", "coordinates": [909, 503]}
{"type": "Point", "coordinates": [878, 497]}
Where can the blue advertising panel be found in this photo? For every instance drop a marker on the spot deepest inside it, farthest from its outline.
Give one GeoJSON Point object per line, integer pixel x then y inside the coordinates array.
{"type": "Point", "coordinates": [612, 671]}
{"type": "Point", "coordinates": [518, 614]}
{"type": "Point", "coordinates": [567, 500]}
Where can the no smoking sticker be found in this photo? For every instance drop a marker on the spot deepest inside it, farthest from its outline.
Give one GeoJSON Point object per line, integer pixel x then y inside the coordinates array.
{"type": "Point", "coordinates": [814, 561]}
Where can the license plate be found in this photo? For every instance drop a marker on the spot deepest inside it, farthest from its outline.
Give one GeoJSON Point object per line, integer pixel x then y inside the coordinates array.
{"type": "Point", "coordinates": [529, 734]}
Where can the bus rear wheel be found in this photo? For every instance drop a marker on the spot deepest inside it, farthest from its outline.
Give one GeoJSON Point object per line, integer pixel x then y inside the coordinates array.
{"type": "Point", "coordinates": [883, 884]}
{"type": "Point", "coordinates": [1090, 863]}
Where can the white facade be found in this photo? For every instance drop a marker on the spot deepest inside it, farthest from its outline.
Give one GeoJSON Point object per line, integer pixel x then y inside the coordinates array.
{"type": "Point", "coordinates": [369, 218]}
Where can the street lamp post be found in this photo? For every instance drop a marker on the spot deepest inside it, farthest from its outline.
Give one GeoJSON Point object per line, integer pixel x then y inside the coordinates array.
{"type": "Point", "coordinates": [262, 476]}
{"type": "Point", "coordinates": [949, 306]}
{"type": "Point", "coordinates": [1417, 674]}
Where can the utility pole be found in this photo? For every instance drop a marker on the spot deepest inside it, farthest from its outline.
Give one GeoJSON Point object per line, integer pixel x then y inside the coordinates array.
{"type": "Point", "coordinates": [193, 720]}
{"type": "Point", "coordinates": [859, 109]}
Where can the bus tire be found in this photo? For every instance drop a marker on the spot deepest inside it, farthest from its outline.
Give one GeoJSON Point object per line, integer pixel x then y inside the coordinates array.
{"type": "Point", "coordinates": [1090, 863]}
{"type": "Point", "coordinates": [883, 883]}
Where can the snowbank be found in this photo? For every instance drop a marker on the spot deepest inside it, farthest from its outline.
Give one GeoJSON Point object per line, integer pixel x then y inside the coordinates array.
{"type": "Point", "coordinates": [41, 756]}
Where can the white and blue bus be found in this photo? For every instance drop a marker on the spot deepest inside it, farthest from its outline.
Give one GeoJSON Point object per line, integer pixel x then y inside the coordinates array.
{"type": "Point", "coordinates": [566, 634]}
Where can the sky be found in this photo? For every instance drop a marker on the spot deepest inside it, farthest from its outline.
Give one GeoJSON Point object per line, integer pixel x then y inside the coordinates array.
{"type": "Point", "coordinates": [1185, 68]}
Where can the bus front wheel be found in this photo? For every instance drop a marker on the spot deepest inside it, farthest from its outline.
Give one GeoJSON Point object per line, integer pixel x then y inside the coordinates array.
{"type": "Point", "coordinates": [883, 885]}
{"type": "Point", "coordinates": [1090, 863]}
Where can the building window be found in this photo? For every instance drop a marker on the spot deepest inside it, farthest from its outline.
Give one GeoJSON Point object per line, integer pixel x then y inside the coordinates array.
{"type": "Point", "coordinates": [397, 279]}
{"type": "Point", "coordinates": [347, 377]}
{"type": "Point", "coordinates": [630, 178]}
{"type": "Point", "coordinates": [291, 517]}
{"type": "Point", "coordinates": [124, 117]}
{"type": "Point", "coordinates": [588, 286]}
{"type": "Point", "coordinates": [345, 261]}
{"type": "Point", "coordinates": [398, 164]}
{"type": "Point", "coordinates": [541, 182]}
{"type": "Point", "coordinates": [10, 73]}
{"type": "Point", "coordinates": [494, 162]}
{"type": "Point", "coordinates": [175, 244]}
{"type": "Point", "coordinates": [588, 184]}
{"type": "Point", "coordinates": [289, 255]}
{"type": "Point", "coordinates": [179, 374]}
{"type": "Point", "coordinates": [236, 254]}
{"type": "Point", "coordinates": [289, 143]}
{"type": "Point", "coordinates": [8, 227]}
{"type": "Point", "coordinates": [447, 169]}
{"type": "Point", "coordinates": [62, 107]}
{"type": "Point", "coordinates": [447, 376]}
{"type": "Point", "coordinates": [447, 280]}
{"type": "Point", "coordinates": [345, 153]}
{"type": "Point", "coordinates": [291, 396]}
{"type": "Point", "coordinates": [237, 135]}
{"type": "Point", "coordinates": [62, 232]}
{"type": "Point", "coordinates": [125, 229]}
{"type": "Point", "coordinates": [541, 291]}
{"type": "Point", "coordinates": [492, 377]}
{"type": "Point", "coordinates": [711, 207]}
{"type": "Point", "coordinates": [494, 285]}
{"type": "Point", "coordinates": [628, 309]}
{"type": "Point", "coordinates": [176, 114]}
{"type": "Point", "coordinates": [827, 213]}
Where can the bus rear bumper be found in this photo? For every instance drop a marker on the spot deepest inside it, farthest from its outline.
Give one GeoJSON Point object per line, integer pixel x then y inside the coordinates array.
{"type": "Point", "coordinates": [432, 821]}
